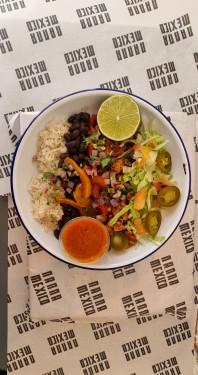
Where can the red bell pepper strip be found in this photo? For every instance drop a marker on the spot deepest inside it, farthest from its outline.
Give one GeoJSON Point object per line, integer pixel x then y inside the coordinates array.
{"type": "Point", "coordinates": [90, 148]}
{"type": "Point", "coordinates": [92, 120]}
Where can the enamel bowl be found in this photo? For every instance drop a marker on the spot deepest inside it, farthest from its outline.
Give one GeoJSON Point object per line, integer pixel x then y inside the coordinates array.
{"type": "Point", "coordinates": [23, 169]}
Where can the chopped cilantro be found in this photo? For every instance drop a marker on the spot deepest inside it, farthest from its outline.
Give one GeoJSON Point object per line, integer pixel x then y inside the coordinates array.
{"type": "Point", "coordinates": [92, 157]}
{"type": "Point", "coordinates": [101, 142]}
{"type": "Point", "coordinates": [47, 174]}
{"type": "Point", "coordinates": [89, 139]}
{"type": "Point", "coordinates": [105, 161]}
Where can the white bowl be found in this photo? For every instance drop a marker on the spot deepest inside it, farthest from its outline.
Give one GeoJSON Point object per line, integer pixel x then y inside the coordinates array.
{"type": "Point", "coordinates": [23, 170]}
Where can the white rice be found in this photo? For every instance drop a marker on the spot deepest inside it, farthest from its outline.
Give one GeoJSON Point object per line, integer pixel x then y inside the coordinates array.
{"type": "Point", "coordinates": [50, 145]}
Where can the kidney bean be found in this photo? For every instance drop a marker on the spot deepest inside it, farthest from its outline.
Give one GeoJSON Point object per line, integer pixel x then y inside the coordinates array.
{"type": "Point", "coordinates": [82, 128]}
{"type": "Point", "coordinates": [72, 118]}
{"type": "Point", "coordinates": [66, 219]}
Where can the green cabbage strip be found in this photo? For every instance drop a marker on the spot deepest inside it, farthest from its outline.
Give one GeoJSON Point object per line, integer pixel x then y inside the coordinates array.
{"type": "Point", "coordinates": [120, 213]}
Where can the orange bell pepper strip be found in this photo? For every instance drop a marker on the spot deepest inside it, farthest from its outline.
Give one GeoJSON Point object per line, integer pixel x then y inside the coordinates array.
{"type": "Point", "coordinates": [136, 146]}
{"type": "Point", "coordinates": [99, 181]}
{"type": "Point", "coordinates": [139, 226]}
{"type": "Point", "coordinates": [96, 192]}
{"type": "Point", "coordinates": [79, 199]}
{"type": "Point", "coordinates": [141, 163]}
{"type": "Point", "coordinates": [145, 151]}
{"type": "Point", "coordinates": [72, 203]}
{"type": "Point", "coordinates": [140, 199]}
{"type": "Point", "coordinates": [86, 183]}
{"type": "Point", "coordinates": [152, 143]}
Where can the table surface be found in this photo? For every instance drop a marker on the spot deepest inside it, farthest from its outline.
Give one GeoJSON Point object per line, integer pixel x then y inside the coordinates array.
{"type": "Point", "coordinates": [49, 49]}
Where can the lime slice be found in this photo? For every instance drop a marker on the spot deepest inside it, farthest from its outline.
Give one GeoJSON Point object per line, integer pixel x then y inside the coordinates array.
{"type": "Point", "coordinates": [118, 117]}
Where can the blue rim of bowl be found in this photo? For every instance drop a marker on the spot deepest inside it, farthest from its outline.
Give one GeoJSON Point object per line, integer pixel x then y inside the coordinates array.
{"type": "Point", "coordinates": [105, 90]}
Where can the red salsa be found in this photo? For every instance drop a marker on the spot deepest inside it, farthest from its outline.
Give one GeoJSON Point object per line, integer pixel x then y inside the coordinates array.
{"type": "Point", "coordinates": [85, 239]}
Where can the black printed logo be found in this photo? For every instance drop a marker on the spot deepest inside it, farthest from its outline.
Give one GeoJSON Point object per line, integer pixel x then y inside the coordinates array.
{"type": "Point", "coordinates": [14, 138]}
{"type": "Point", "coordinates": [164, 272]}
{"type": "Point", "coordinates": [159, 107]}
{"type": "Point", "coordinates": [177, 333]}
{"type": "Point", "coordinates": [145, 319]}
{"type": "Point", "coordinates": [136, 348]}
{"type": "Point", "coordinates": [62, 320]}
{"type": "Point", "coordinates": [129, 45]}
{"type": "Point", "coordinates": [13, 219]}
{"type": "Point", "coordinates": [42, 29]}
{"type": "Point", "coordinates": [20, 358]}
{"type": "Point", "coordinates": [162, 75]}
{"type": "Point", "coordinates": [10, 5]}
{"type": "Point", "coordinates": [91, 298]}
{"type": "Point", "coordinates": [23, 325]}
{"type": "Point", "coordinates": [5, 165]}
{"type": "Point", "coordinates": [45, 287]}
{"type": "Point", "coordinates": [118, 84]}
{"type": "Point", "coordinates": [95, 363]}
{"type": "Point", "coordinates": [178, 310]}
{"type": "Point", "coordinates": [145, 6]}
{"type": "Point", "coordinates": [135, 305]}
{"type": "Point", "coordinates": [57, 371]}
{"type": "Point", "coordinates": [81, 60]}
{"type": "Point", "coordinates": [62, 342]}
{"type": "Point", "coordinates": [186, 231]}
{"type": "Point", "coordinates": [196, 294]}
{"type": "Point", "coordinates": [9, 115]}
{"type": "Point", "coordinates": [167, 367]}
{"type": "Point", "coordinates": [32, 246]}
{"type": "Point", "coordinates": [33, 75]}
{"type": "Point", "coordinates": [196, 59]}
{"type": "Point", "coordinates": [93, 15]}
{"type": "Point", "coordinates": [5, 44]}
{"type": "Point", "coordinates": [102, 330]}
{"type": "Point", "coordinates": [176, 30]}
{"type": "Point", "coordinates": [14, 256]}
{"type": "Point", "coordinates": [8, 298]}
{"type": "Point", "coordinates": [196, 261]}
{"type": "Point", "coordinates": [189, 103]}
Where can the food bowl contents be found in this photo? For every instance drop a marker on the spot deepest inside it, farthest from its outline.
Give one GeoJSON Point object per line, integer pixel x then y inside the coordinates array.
{"type": "Point", "coordinates": [125, 184]}
{"type": "Point", "coordinates": [84, 239]}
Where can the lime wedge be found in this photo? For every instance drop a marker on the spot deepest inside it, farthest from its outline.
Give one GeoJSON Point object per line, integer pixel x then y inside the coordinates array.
{"type": "Point", "coordinates": [118, 117]}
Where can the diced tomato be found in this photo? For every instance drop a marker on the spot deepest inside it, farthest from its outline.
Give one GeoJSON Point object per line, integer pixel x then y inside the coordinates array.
{"type": "Point", "coordinates": [102, 208]}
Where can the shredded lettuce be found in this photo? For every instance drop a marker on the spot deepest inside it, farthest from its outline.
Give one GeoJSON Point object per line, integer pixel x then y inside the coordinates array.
{"type": "Point", "coordinates": [120, 213]}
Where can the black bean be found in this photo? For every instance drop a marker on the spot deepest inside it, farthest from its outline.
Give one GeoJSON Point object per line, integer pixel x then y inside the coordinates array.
{"type": "Point", "coordinates": [64, 185]}
{"type": "Point", "coordinates": [82, 128]}
{"type": "Point", "coordinates": [60, 163]}
{"type": "Point", "coordinates": [75, 134]}
{"type": "Point", "coordinates": [76, 158]}
{"type": "Point", "coordinates": [81, 156]}
{"type": "Point", "coordinates": [56, 233]}
{"type": "Point", "coordinates": [82, 148]}
{"type": "Point", "coordinates": [72, 144]}
{"type": "Point", "coordinates": [71, 118]}
{"type": "Point", "coordinates": [66, 219]}
{"type": "Point", "coordinates": [74, 127]}
{"type": "Point", "coordinates": [67, 137]}
{"type": "Point", "coordinates": [72, 151]}
{"type": "Point", "coordinates": [63, 156]}
{"type": "Point", "coordinates": [61, 223]}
